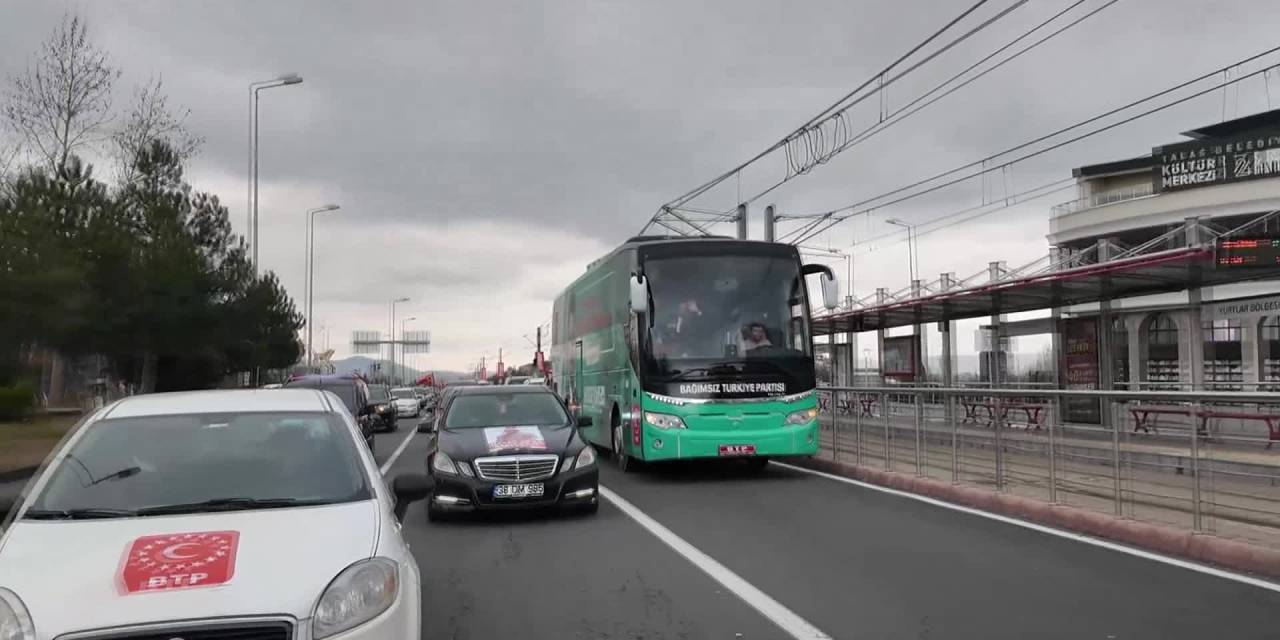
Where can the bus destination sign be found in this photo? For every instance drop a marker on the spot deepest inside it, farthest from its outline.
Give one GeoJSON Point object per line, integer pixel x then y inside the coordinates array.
{"type": "Point", "coordinates": [1247, 252]}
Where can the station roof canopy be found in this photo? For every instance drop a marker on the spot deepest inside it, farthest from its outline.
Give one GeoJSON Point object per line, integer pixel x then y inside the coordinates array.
{"type": "Point", "coordinates": [1161, 272]}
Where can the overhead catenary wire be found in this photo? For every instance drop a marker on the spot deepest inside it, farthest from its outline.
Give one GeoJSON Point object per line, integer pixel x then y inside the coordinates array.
{"type": "Point", "coordinates": [703, 188]}
{"type": "Point", "coordinates": [911, 109]}
{"type": "Point", "coordinates": [835, 216]}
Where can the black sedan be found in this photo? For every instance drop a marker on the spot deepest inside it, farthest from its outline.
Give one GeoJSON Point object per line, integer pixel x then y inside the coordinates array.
{"type": "Point", "coordinates": [510, 448]}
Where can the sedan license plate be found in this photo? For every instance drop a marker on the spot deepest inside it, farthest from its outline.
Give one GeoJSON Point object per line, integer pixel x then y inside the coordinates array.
{"type": "Point", "coordinates": [737, 449]}
{"type": "Point", "coordinates": [518, 491]}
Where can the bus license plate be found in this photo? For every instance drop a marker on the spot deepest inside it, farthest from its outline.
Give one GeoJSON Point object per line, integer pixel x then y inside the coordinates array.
{"type": "Point", "coordinates": [518, 491]}
{"type": "Point", "coordinates": [737, 449]}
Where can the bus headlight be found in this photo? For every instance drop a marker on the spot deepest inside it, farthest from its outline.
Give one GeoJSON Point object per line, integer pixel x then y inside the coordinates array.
{"type": "Point", "coordinates": [804, 416]}
{"type": "Point", "coordinates": [663, 420]}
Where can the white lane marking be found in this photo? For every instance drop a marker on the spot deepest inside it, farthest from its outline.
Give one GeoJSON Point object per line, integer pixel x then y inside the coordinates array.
{"type": "Point", "coordinates": [787, 620]}
{"type": "Point", "coordinates": [1061, 533]}
{"type": "Point", "coordinates": [399, 450]}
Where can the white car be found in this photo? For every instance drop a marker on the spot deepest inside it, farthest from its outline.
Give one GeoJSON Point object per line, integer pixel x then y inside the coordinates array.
{"type": "Point", "coordinates": [211, 514]}
{"type": "Point", "coordinates": [407, 402]}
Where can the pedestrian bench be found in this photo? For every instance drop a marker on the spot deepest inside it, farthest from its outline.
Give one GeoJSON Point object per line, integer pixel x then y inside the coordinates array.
{"type": "Point", "coordinates": [973, 407]}
{"type": "Point", "coordinates": [1145, 417]}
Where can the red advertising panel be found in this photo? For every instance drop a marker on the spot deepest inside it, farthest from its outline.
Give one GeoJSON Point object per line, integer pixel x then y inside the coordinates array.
{"type": "Point", "coordinates": [1080, 356]}
{"type": "Point", "coordinates": [901, 358]}
{"type": "Point", "coordinates": [180, 561]}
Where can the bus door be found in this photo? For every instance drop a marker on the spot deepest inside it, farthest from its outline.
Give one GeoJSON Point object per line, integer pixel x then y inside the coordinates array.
{"type": "Point", "coordinates": [575, 380]}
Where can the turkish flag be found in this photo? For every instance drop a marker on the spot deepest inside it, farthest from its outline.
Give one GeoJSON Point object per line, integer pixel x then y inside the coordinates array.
{"type": "Point", "coordinates": [180, 561]}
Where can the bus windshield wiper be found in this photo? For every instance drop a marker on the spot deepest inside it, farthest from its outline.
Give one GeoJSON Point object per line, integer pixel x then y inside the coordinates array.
{"type": "Point", "coordinates": [77, 514]}
{"type": "Point", "coordinates": [716, 369]}
{"type": "Point", "coordinates": [229, 504]}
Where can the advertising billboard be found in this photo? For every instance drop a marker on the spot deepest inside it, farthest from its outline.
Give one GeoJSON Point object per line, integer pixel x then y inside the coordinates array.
{"type": "Point", "coordinates": [1081, 366]}
{"type": "Point", "coordinates": [902, 358]}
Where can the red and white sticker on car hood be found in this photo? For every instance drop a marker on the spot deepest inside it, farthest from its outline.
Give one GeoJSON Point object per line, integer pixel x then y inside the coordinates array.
{"type": "Point", "coordinates": [180, 561]}
{"type": "Point", "coordinates": [500, 439]}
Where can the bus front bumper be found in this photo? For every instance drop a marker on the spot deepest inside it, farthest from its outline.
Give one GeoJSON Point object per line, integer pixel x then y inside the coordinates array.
{"type": "Point", "coordinates": [678, 444]}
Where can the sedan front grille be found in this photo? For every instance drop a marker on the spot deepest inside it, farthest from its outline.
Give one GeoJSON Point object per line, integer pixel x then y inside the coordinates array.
{"type": "Point", "coordinates": [517, 468]}
{"type": "Point", "coordinates": [211, 630]}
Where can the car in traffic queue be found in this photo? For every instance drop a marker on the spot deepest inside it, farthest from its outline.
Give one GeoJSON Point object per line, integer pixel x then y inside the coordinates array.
{"type": "Point", "coordinates": [384, 408]}
{"type": "Point", "coordinates": [515, 380]}
{"type": "Point", "coordinates": [406, 402]}
{"type": "Point", "coordinates": [503, 447]}
{"type": "Point", "coordinates": [354, 394]}
{"type": "Point", "coordinates": [211, 514]}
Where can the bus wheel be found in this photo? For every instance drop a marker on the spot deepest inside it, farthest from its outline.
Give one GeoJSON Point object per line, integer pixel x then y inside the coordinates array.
{"type": "Point", "coordinates": [625, 462]}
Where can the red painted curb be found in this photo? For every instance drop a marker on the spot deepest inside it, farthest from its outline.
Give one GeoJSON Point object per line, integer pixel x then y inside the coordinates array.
{"type": "Point", "coordinates": [1231, 554]}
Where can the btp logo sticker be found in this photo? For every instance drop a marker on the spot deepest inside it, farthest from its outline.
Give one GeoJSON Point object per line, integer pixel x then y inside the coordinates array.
{"type": "Point", "coordinates": [180, 561]}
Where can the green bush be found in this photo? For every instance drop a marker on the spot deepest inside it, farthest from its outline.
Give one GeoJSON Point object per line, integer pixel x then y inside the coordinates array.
{"type": "Point", "coordinates": [16, 402]}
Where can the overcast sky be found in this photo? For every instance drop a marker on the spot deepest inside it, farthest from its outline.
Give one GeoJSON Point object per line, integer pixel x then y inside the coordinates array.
{"type": "Point", "coordinates": [484, 152]}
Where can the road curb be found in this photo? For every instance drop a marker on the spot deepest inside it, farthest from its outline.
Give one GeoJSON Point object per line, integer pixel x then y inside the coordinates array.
{"type": "Point", "coordinates": [1208, 549]}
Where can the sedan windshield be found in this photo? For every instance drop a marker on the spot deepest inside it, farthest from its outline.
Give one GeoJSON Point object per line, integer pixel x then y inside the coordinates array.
{"type": "Point", "coordinates": [505, 410]}
{"type": "Point", "coordinates": [205, 462]}
{"type": "Point", "coordinates": [404, 394]}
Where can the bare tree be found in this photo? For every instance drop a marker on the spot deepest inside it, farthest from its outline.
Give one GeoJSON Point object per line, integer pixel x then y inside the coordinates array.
{"type": "Point", "coordinates": [149, 120]}
{"type": "Point", "coordinates": [8, 162]}
{"type": "Point", "coordinates": [63, 101]}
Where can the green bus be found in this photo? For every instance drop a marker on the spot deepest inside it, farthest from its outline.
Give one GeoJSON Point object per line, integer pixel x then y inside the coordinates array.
{"type": "Point", "coordinates": [697, 347]}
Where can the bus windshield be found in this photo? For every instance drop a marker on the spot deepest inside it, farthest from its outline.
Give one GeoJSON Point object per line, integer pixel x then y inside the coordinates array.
{"type": "Point", "coordinates": [727, 306]}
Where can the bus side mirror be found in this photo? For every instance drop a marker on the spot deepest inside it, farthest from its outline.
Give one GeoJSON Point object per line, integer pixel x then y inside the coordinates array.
{"type": "Point", "coordinates": [830, 289]}
{"type": "Point", "coordinates": [639, 293]}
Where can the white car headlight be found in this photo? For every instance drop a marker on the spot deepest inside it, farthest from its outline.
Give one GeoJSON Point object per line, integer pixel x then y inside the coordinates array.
{"type": "Point", "coordinates": [804, 416]}
{"type": "Point", "coordinates": [663, 420]}
{"type": "Point", "coordinates": [444, 464]}
{"type": "Point", "coordinates": [15, 622]}
{"type": "Point", "coordinates": [359, 594]}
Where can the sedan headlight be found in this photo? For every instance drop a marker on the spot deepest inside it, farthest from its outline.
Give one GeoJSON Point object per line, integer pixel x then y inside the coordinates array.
{"type": "Point", "coordinates": [359, 594]}
{"type": "Point", "coordinates": [663, 420]}
{"type": "Point", "coordinates": [15, 622]}
{"type": "Point", "coordinates": [444, 464]}
{"type": "Point", "coordinates": [804, 416]}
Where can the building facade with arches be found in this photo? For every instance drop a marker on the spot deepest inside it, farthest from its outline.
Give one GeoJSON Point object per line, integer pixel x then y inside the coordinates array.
{"type": "Point", "coordinates": [1222, 180]}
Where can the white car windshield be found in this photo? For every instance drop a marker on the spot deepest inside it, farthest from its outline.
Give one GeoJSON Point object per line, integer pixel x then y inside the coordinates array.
{"type": "Point", "coordinates": [204, 462]}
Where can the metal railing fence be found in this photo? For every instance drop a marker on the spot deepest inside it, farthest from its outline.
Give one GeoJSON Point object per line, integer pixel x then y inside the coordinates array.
{"type": "Point", "coordinates": [1199, 460]}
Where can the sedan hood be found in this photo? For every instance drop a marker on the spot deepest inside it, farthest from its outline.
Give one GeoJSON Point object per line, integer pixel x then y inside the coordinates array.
{"type": "Point", "coordinates": [473, 442]}
{"type": "Point", "coordinates": [280, 562]}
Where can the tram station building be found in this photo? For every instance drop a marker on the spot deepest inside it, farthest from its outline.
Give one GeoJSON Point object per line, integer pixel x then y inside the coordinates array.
{"type": "Point", "coordinates": [1162, 273]}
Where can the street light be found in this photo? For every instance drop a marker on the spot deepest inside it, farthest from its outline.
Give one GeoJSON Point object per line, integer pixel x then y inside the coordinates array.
{"type": "Point", "coordinates": [310, 271]}
{"type": "Point", "coordinates": [911, 241]}
{"type": "Point", "coordinates": [394, 302]}
{"type": "Point", "coordinates": [404, 356]}
{"type": "Point", "coordinates": [254, 88]}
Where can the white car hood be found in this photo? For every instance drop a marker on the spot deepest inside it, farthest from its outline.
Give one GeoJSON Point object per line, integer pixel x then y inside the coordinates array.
{"type": "Point", "coordinates": [69, 573]}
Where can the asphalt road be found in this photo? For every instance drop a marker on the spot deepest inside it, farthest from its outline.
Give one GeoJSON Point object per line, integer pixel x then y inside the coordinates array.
{"type": "Point", "coordinates": [853, 562]}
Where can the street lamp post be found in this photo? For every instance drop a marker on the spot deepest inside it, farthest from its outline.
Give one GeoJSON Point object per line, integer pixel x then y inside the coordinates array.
{"type": "Point", "coordinates": [404, 356]}
{"type": "Point", "coordinates": [392, 328]}
{"type": "Point", "coordinates": [254, 88]}
{"type": "Point", "coordinates": [911, 245]}
{"type": "Point", "coordinates": [310, 272]}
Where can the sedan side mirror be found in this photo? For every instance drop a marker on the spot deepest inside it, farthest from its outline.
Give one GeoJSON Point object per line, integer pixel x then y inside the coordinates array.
{"type": "Point", "coordinates": [410, 488]}
{"type": "Point", "coordinates": [426, 426]}
{"type": "Point", "coordinates": [585, 421]}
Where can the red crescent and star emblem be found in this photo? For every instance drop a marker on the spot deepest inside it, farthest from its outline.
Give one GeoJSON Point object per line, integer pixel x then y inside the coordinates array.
{"type": "Point", "coordinates": [180, 561]}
